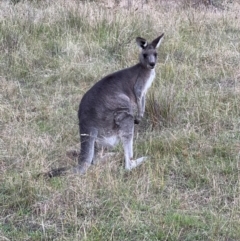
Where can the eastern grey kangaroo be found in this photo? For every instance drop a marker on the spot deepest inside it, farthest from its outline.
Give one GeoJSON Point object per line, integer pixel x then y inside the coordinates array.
{"type": "Point", "coordinates": [110, 108]}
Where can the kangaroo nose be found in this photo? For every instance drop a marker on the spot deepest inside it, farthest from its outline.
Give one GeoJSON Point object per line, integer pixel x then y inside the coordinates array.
{"type": "Point", "coordinates": [152, 64]}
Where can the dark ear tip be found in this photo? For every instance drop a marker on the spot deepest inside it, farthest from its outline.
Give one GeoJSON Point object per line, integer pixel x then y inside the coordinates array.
{"type": "Point", "coordinates": [141, 42]}
{"type": "Point", "coordinates": [138, 39]}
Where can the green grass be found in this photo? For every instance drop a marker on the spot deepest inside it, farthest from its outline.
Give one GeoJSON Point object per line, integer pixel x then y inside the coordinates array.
{"type": "Point", "coordinates": [51, 53]}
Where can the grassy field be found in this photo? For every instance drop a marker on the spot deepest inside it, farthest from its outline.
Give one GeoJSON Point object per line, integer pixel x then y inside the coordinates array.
{"type": "Point", "coordinates": [51, 52]}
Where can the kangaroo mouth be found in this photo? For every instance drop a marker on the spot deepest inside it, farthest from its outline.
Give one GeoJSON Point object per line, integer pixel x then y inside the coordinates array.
{"type": "Point", "coordinates": [150, 66]}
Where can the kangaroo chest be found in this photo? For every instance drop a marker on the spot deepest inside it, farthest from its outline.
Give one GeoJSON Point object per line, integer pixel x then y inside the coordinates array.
{"type": "Point", "coordinates": [148, 82]}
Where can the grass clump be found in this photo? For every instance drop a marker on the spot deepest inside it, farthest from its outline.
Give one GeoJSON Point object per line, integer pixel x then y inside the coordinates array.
{"type": "Point", "coordinates": [50, 55]}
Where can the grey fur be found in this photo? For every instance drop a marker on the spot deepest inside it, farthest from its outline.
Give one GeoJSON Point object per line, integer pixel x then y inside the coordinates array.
{"type": "Point", "coordinates": [109, 109]}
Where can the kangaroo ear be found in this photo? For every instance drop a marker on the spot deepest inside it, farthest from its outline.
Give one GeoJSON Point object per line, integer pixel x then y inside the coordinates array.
{"type": "Point", "coordinates": [156, 42]}
{"type": "Point", "coordinates": [141, 42]}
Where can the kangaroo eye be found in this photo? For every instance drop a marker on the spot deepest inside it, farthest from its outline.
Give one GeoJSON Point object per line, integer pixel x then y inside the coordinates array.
{"type": "Point", "coordinates": [155, 55]}
{"type": "Point", "coordinates": [144, 56]}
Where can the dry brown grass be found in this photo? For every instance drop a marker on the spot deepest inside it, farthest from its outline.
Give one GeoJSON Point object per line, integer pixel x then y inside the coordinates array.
{"type": "Point", "coordinates": [51, 53]}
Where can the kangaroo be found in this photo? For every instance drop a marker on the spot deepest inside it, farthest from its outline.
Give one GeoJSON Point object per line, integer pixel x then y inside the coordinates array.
{"type": "Point", "coordinates": [108, 111]}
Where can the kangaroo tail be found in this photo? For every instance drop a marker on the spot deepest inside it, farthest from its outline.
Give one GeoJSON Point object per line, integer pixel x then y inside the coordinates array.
{"type": "Point", "coordinates": [55, 172]}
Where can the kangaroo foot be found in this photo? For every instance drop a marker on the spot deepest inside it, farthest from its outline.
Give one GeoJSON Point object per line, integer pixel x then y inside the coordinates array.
{"type": "Point", "coordinates": [135, 163]}
{"type": "Point", "coordinates": [81, 168]}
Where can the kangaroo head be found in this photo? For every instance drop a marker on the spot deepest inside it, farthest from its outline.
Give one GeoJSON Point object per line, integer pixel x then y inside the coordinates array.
{"type": "Point", "coordinates": [148, 55]}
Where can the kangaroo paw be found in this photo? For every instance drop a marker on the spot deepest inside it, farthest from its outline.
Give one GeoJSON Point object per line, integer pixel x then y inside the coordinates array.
{"type": "Point", "coordinates": [136, 121]}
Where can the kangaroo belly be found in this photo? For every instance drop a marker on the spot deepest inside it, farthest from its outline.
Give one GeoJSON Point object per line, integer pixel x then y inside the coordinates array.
{"type": "Point", "coordinates": [108, 141]}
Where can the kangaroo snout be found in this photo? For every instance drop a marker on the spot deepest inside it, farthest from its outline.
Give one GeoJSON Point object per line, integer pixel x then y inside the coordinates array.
{"type": "Point", "coordinates": [151, 65]}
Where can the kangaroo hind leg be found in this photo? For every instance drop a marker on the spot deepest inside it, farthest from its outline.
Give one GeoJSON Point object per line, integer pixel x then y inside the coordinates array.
{"type": "Point", "coordinates": [125, 121]}
{"type": "Point", "coordinates": [86, 156]}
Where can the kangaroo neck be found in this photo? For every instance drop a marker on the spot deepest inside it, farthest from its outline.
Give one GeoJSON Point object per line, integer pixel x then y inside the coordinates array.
{"type": "Point", "coordinates": [144, 73]}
